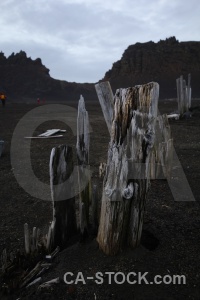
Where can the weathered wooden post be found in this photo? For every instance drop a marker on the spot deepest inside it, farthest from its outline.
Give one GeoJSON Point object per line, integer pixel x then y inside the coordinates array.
{"type": "Point", "coordinates": [106, 100]}
{"type": "Point", "coordinates": [183, 94]}
{"type": "Point", "coordinates": [162, 153]}
{"type": "Point", "coordinates": [189, 91]}
{"type": "Point", "coordinates": [127, 175]}
{"type": "Point", "coordinates": [82, 147]}
{"type": "Point", "coordinates": [27, 239]}
{"type": "Point", "coordinates": [62, 190]}
{"type": "Point", "coordinates": [83, 221]}
{"type": "Point", "coordinates": [94, 214]}
{"type": "Point", "coordinates": [180, 95]}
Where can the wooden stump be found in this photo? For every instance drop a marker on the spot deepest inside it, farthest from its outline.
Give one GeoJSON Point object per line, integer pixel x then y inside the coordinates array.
{"type": "Point", "coordinates": [62, 190]}
{"type": "Point", "coordinates": [127, 175]}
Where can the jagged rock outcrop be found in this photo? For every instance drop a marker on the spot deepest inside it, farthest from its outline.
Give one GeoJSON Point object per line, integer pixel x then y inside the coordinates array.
{"type": "Point", "coordinates": [162, 62]}
{"type": "Point", "coordinates": [22, 78]}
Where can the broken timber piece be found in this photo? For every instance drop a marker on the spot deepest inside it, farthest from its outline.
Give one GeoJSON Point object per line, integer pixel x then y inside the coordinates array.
{"type": "Point", "coordinates": [37, 238]}
{"type": "Point", "coordinates": [102, 169]}
{"type": "Point", "coordinates": [31, 275]}
{"type": "Point", "coordinates": [106, 100]}
{"type": "Point", "coordinates": [127, 176]}
{"type": "Point", "coordinates": [189, 91]}
{"type": "Point", "coordinates": [50, 237]}
{"type": "Point", "coordinates": [173, 116]}
{"type": "Point", "coordinates": [27, 238]}
{"type": "Point", "coordinates": [44, 137]}
{"type": "Point", "coordinates": [48, 284]}
{"type": "Point", "coordinates": [33, 239]}
{"type": "Point", "coordinates": [162, 154]}
{"type": "Point", "coordinates": [62, 191]}
{"type": "Point", "coordinates": [83, 222]}
{"type": "Point", "coordinates": [34, 282]}
{"type": "Point", "coordinates": [82, 149]}
{"type": "Point", "coordinates": [183, 94]}
{"type": "Point", "coordinates": [50, 132]}
{"type": "Point", "coordinates": [95, 222]}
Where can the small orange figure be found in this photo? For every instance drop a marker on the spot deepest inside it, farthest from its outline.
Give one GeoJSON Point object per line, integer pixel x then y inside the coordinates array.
{"type": "Point", "coordinates": [3, 99]}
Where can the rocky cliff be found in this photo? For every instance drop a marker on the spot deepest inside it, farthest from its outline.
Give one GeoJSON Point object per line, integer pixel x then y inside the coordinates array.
{"type": "Point", "coordinates": [23, 78]}
{"type": "Point", "coordinates": [162, 62]}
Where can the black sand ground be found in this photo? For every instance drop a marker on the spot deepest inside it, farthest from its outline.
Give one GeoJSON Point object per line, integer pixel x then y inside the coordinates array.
{"type": "Point", "coordinates": [171, 233]}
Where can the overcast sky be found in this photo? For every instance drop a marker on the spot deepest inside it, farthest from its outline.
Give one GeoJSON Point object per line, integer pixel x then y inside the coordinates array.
{"type": "Point", "coordinates": [79, 40]}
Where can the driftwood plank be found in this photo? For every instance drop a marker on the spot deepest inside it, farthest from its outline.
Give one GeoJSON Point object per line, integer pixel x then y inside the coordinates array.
{"type": "Point", "coordinates": [49, 132]}
{"type": "Point", "coordinates": [62, 191]}
{"type": "Point", "coordinates": [43, 137]}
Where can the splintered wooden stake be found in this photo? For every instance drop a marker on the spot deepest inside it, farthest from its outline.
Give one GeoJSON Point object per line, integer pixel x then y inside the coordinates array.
{"type": "Point", "coordinates": [27, 238]}
{"type": "Point", "coordinates": [37, 238]}
{"type": "Point", "coordinates": [48, 284]}
{"type": "Point", "coordinates": [183, 94]}
{"type": "Point", "coordinates": [31, 275]}
{"type": "Point", "coordinates": [34, 246]}
{"type": "Point", "coordinates": [106, 100]}
{"type": "Point", "coordinates": [82, 148]}
{"type": "Point", "coordinates": [83, 221]}
{"type": "Point", "coordinates": [95, 199]}
{"type": "Point", "coordinates": [63, 196]}
{"type": "Point", "coordinates": [49, 239]}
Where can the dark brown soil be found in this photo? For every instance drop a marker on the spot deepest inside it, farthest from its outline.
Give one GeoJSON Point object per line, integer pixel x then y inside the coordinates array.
{"type": "Point", "coordinates": [171, 234]}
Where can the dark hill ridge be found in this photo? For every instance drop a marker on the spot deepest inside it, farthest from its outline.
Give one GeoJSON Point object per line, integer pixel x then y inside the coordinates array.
{"type": "Point", "coordinates": [22, 78]}
{"type": "Point", "coordinates": [162, 62]}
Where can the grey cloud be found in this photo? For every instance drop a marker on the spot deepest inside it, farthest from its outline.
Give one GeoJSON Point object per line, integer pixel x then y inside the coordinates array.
{"type": "Point", "coordinates": [78, 40]}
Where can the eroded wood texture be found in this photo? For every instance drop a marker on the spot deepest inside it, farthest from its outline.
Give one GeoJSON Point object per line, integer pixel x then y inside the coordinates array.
{"type": "Point", "coordinates": [184, 93]}
{"type": "Point", "coordinates": [62, 190]}
{"type": "Point", "coordinates": [106, 100]}
{"type": "Point", "coordinates": [162, 153]}
{"type": "Point", "coordinates": [83, 136]}
{"type": "Point", "coordinates": [94, 212]}
{"type": "Point", "coordinates": [127, 173]}
{"type": "Point", "coordinates": [82, 147]}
